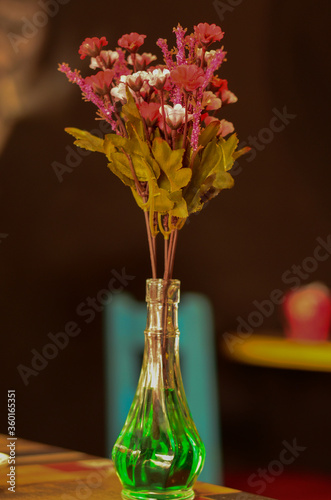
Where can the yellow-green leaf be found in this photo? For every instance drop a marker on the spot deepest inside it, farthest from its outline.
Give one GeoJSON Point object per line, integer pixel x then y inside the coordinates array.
{"type": "Point", "coordinates": [120, 174]}
{"type": "Point", "coordinates": [241, 152]}
{"type": "Point", "coordinates": [171, 163]}
{"type": "Point", "coordinates": [180, 207]}
{"type": "Point", "coordinates": [228, 147]}
{"type": "Point", "coordinates": [132, 115]}
{"type": "Point", "coordinates": [85, 140]}
{"type": "Point", "coordinates": [223, 180]}
{"type": "Point", "coordinates": [135, 145]}
{"type": "Point", "coordinates": [140, 166]}
{"type": "Point", "coordinates": [209, 133]}
{"type": "Point", "coordinates": [203, 166]}
{"type": "Point", "coordinates": [162, 202]}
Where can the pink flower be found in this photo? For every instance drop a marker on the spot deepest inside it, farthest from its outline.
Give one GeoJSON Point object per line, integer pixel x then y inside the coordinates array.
{"type": "Point", "coordinates": [101, 82]}
{"type": "Point", "coordinates": [150, 112]}
{"type": "Point", "coordinates": [210, 101]}
{"type": "Point", "coordinates": [174, 116]}
{"type": "Point", "coordinates": [91, 47]}
{"type": "Point", "coordinates": [208, 33]}
{"type": "Point", "coordinates": [187, 76]}
{"type": "Point", "coordinates": [142, 60]}
{"type": "Point", "coordinates": [131, 42]}
{"type": "Point", "coordinates": [225, 126]}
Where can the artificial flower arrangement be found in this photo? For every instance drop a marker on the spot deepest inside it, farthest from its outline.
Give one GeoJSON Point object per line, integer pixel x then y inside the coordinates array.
{"type": "Point", "coordinates": [167, 144]}
{"type": "Point", "coordinates": [175, 155]}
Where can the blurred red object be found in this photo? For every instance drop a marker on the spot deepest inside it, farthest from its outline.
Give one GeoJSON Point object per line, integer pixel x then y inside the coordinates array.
{"type": "Point", "coordinates": [307, 312]}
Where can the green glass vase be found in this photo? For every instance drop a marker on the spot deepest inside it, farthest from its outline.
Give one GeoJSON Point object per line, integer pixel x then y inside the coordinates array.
{"type": "Point", "coordinates": [159, 453]}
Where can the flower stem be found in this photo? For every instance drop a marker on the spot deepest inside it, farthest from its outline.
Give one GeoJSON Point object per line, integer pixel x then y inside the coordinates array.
{"type": "Point", "coordinates": [118, 118]}
{"type": "Point", "coordinates": [166, 248]}
{"type": "Point", "coordinates": [173, 251]}
{"type": "Point", "coordinates": [133, 57]}
{"type": "Point", "coordinates": [142, 193]}
{"type": "Point", "coordinates": [164, 118]}
{"type": "Point", "coordinates": [151, 244]}
{"type": "Point", "coordinates": [186, 116]}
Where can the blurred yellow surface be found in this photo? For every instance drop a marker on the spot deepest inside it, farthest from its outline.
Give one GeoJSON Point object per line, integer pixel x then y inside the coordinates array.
{"type": "Point", "coordinates": [3, 460]}
{"type": "Point", "coordinates": [265, 350]}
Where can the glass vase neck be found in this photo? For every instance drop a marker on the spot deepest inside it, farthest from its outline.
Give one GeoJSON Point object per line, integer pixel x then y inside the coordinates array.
{"type": "Point", "coordinates": [162, 297]}
{"type": "Point", "coordinates": [159, 290]}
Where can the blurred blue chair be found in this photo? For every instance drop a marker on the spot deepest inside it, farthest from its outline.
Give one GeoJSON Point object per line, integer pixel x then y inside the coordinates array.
{"type": "Point", "coordinates": [124, 324]}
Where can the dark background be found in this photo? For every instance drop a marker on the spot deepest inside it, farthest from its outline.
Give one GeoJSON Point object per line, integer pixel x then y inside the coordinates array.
{"type": "Point", "coordinates": [64, 238]}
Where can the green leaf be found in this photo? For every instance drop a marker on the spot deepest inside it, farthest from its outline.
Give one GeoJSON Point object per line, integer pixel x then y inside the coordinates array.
{"type": "Point", "coordinates": [139, 200]}
{"type": "Point", "coordinates": [241, 152]}
{"type": "Point", "coordinates": [203, 166]}
{"type": "Point", "coordinates": [112, 143]}
{"type": "Point", "coordinates": [162, 201]}
{"type": "Point", "coordinates": [209, 133]}
{"type": "Point", "coordinates": [171, 164]}
{"type": "Point", "coordinates": [120, 163]}
{"type": "Point", "coordinates": [158, 200]}
{"type": "Point", "coordinates": [85, 140]}
{"type": "Point", "coordinates": [180, 207]}
{"type": "Point", "coordinates": [228, 147]}
{"type": "Point", "coordinates": [114, 167]}
{"type": "Point", "coordinates": [135, 145]}
{"type": "Point", "coordinates": [141, 168]}
{"type": "Point", "coordinates": [144, 164]}
{"type": "Point", "coordinates": [223, 180]}
{"type": "Point", "coordinates": [132, 115]}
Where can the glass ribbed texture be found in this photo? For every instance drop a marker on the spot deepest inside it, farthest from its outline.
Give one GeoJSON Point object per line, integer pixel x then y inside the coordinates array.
{"type": "Point", "coordinates": [159, 453]}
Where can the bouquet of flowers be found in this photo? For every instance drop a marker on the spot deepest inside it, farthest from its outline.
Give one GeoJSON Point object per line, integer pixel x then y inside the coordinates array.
{"type": "Point", "coordinates": [167, 144]}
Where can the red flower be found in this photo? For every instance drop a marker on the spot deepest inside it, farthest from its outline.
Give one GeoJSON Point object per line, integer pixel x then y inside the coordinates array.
{"type": "Point", "coordinates": [131, 42]}
{"type": "Point", "coordinates": [91, 47]}
{"type": "Point", "coordinates": [222, 91]}
{"type": "Point", "coordinates": [101, 82]}
{"type": "Point", "coordinates": [188, 76]}
{"type": "Point", "coordinates": [208, 33]}
{"type": "Point", "coordinates": [150, 112]}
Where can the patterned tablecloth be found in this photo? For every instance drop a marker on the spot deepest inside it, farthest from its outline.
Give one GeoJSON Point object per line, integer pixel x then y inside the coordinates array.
{"type": "Point", "coordinates": [47, 472]}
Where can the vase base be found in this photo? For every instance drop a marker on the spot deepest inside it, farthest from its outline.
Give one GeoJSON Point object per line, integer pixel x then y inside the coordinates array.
{"type": "Point", "coordinates": [186, 494]}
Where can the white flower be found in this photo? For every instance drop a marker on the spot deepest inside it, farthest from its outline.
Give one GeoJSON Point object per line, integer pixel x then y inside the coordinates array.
{"type": "Point", "coordinates": [209, 55]}
{"type": "Point", "coordinates": [158, 78]}
{"type": "Point", "coordinates": [136, 80]}
{"type": "Point", "coordinates": [174, 116]}
{"type": "Point", "coordinates": [142, 60]}
{"type": "Point", "coordinates": [94, 64]}
{"type": "Point", "coordinates": [108, 58]}
{"type": "Point", "coordinates": [119, 92]}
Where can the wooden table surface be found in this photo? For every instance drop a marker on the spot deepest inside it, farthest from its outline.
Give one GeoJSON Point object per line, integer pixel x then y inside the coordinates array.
{"type": "Point", "coordinates": [49, 473]}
